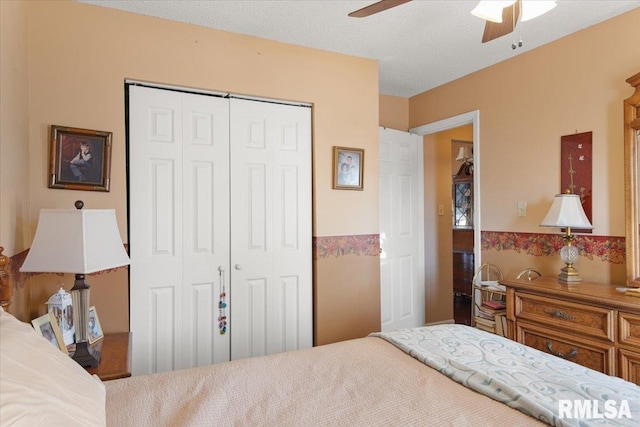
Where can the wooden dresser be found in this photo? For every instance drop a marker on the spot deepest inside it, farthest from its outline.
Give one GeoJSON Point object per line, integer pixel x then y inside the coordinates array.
{"type": "Point", "coordinates": [590, 323]}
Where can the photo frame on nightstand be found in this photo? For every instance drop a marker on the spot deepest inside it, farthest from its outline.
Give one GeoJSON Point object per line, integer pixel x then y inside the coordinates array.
{"type": "Point", "coordinates": [94, 329]}
{"type": "Point", "coordinates": [47, 327]}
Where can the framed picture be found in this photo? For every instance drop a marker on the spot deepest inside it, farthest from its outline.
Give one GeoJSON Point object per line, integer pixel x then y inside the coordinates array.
{"type": "Point", "coordinates": [47, 327]}
{"type": "Point", "coordinates": [348, 168]}
{"type": "Point", "coordinates": [94, 330]}
{"type": "Point", "coordinates": [79, 159]}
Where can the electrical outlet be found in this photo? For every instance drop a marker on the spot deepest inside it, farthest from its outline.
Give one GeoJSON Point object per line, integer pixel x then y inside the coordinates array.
{"type": "Point", "coordinates": [522, 208]}
{"type": "Point", "coordinates": [440, 210]}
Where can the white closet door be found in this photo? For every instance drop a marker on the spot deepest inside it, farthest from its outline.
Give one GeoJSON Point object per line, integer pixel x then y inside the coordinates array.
{"type": "Point", "coordinates": [271, 228]}
{"type": "Point", "coordinates": [205, 208]}
{"type": "Point", "coordinates": [178, 213]}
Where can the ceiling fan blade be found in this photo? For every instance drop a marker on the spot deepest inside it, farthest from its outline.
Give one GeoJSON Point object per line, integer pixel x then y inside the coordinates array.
{"type": "Point", "coordinates": [377, 7]}
{"type": "Point", "coordinates": [510, 16]}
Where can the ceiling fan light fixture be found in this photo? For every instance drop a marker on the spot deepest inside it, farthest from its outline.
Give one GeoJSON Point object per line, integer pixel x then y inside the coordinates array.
{"type": "Point", "coordinates": [533, 9]}
{"type": "Point", "coordinates": [491, 10]}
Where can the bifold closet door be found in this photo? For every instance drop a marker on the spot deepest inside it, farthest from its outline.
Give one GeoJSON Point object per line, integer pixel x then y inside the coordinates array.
{"type": "Point", "coordinates": [270, 228]}
{"type": "Point", "coordinates": [178, 227]}
{"type": "Point", "coordinates": [217, 184]}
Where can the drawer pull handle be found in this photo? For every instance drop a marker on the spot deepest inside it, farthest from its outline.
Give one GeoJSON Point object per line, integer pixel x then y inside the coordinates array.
{"type": "Point", "coordinates": [560, 315]}
{"type": "Point", "coordinates": [572, 353]}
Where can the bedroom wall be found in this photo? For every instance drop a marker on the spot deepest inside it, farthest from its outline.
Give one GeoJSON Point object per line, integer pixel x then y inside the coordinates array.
{"type": "Point", "coordinates": [575, 84]}
{"type": "Point", "coordinates": [394, 112]}
{"type": "Point", "coordinates": [76, 77]}
{"type": "Point", "coordinates": [15, 233]}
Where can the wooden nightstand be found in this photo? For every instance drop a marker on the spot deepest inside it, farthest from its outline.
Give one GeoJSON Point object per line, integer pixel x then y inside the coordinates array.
{"type": "Point", "coordinates": [116, 356]}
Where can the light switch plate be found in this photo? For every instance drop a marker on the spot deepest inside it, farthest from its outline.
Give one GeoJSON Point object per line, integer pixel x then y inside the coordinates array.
{"type": "Point", "coordinates": [522, 208]}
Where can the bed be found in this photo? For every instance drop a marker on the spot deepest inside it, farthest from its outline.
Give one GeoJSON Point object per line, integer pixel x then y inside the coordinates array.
{"type": "Point", "coordinates": [438, 375]}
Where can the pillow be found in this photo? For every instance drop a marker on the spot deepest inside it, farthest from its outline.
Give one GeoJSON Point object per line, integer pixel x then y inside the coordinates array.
{"type": "Point", "coordinates": [40, 385]}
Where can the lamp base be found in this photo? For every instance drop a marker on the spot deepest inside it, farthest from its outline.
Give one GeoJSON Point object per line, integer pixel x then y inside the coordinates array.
{"type": "Point", "coordinates": [86, 356]}
{"type": "Point", "coordinates": [569, 274]}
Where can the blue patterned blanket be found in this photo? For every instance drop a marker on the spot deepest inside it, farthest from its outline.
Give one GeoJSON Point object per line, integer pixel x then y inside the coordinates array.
{"type": "Point", "coordinates": [551, 389]}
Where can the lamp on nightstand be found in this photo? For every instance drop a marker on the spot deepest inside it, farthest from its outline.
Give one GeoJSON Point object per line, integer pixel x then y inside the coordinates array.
{"type": "Point", "coordinates": [566, 212]}
{"type": "Point", "coordinates": [81, 242]}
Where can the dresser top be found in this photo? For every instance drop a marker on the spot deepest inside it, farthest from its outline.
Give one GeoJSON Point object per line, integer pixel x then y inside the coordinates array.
{"type": "Point", "coordinates": [590, 292]}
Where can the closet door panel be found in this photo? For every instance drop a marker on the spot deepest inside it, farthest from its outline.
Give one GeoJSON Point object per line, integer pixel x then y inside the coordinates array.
{"type": "Point", "coordinates": [206, 226]}
{"type": "Point", "coordinates": [155, 215]}
{"type": "Point", "coordinates": [271, 221]}
{"type": "Point", "coordinates": [179, 227]}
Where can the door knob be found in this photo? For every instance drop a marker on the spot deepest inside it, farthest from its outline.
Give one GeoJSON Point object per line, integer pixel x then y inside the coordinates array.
{"type": "Point", "coordinates": [238, 267]}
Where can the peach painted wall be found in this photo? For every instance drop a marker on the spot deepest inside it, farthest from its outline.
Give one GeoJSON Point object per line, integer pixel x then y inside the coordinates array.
{"type": "Point", "coordinates": [77, 70]}
{"type": "Point", "coordinates": [394, 112]}
{"type": "Point", "coordinates": [15, 233]}
{"type": "Point", "coordinates": [575, 84]}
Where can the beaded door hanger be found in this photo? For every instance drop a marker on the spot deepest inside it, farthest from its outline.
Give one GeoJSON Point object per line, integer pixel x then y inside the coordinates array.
{"type": "Point", "coordinates": [222, 304]}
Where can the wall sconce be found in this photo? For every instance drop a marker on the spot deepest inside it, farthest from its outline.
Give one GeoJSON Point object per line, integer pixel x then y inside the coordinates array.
{"type": "Point", "coordinates": [464, 155]}
{"type": "Point", "coordinates": [566, 212]}
{"type": "Point", "coordinates": [81, 242]}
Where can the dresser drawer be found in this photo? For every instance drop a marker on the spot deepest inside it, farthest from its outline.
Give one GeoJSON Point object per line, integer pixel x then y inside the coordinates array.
{"type": "Point", "coordinates": [588, 320]}
{"type": "Point", "coordinates": [629, 330]}
{"type": "Point", "coordinates": [596, 355]}
{"type": "Point", "coordinates": [630, 366]}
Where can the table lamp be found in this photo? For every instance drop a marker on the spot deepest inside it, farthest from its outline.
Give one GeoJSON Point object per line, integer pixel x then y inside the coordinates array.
{"type": "Point", "coordinates": [81, 242]}
{"type": "Point", "coordinates": [566, 212]}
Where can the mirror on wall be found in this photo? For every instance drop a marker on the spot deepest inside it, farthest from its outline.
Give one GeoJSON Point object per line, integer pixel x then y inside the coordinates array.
{"type": "Point", "coordinates": [632, 185]}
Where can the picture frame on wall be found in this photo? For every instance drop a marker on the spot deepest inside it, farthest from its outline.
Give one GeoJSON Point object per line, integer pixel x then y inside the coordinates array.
{"type": "Point", "coordinates": [79, 159]}
{"type": "Point", "coordinates": [47, 327]}
{"type": "Point", "coordinates": [348, 168]}
{"type": "Point", "coordinates": [94, 329]}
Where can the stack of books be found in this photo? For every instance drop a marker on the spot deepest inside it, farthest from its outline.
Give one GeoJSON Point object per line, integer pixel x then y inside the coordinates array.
{"type": "Point", "coordinates": [491, 316]}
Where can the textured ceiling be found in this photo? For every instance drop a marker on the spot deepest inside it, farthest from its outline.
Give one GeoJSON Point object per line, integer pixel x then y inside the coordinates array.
{"type": "Point", "coordinates": [419, 45]}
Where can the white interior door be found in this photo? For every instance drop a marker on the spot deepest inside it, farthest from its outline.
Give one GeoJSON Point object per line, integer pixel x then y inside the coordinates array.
{"type": "Point", "coordinates": [209, 206]}
{"type": "Point", "coordinates": [271, 228]}
{"type": "Point", "coordinates": [401, 230]}
{"type": "Point", "coordinates": [179, 222]}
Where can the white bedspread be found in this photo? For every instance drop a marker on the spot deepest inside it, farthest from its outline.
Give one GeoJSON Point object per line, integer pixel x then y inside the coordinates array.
{"type": "Point", "coordinates": [522, 377]}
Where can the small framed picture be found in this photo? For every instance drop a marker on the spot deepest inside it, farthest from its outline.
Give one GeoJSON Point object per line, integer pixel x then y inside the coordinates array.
{"type": "Point", "coordinates": [94, 330]}
{"type": "Point", "coordinates": [47, 327]}
{"type": "Point", "coordinates": [348, 168]}
{"type": "Point", "coordinates": [79, 159]}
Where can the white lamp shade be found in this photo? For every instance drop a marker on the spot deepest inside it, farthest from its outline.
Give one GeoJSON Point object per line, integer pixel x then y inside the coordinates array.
{"type": "Point", "coordinates": [79, 241]}
{"type": "Point", "coordinates": [491, 10]}
{"type": "Point", "coordinates": [460, 154]}
{"type": "Point", "coordinates": [566, 211]}
{"type": "Point", "coordinates": [463, 154]}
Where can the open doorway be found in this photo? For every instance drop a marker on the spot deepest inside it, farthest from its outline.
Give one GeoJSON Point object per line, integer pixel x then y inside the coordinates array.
{"type": "Point", "coordinates": [462, 226]}
{"type": "Point", "coordinates": [438, 221]}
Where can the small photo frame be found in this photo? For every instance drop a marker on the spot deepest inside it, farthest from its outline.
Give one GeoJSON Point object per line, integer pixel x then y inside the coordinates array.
{"type": "Point", "coordinates": [47, 327]}
{"type": "Point", "coordinates": [79, 159]}
{"type": "Point", "coordinates": [94, 330]}
{"type": "Point", "coordinates": [348, 168]}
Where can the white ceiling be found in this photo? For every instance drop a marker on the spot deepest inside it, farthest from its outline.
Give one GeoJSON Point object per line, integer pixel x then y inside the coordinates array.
{"type": "Point", "coordinates": [419, 45]}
